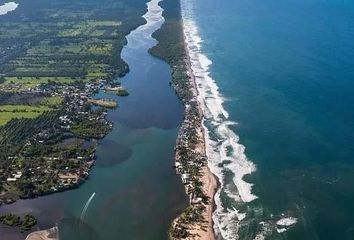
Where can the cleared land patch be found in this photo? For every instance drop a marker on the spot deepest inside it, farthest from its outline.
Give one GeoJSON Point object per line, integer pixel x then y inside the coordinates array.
{"type": "Point", "coordinates": [8, 112]}
{"type": "Point", "coordinates": [38, 53]}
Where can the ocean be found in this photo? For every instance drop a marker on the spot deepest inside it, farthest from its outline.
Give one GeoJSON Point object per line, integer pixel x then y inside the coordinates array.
{"type": "Point", "coordinates": [276, 82]}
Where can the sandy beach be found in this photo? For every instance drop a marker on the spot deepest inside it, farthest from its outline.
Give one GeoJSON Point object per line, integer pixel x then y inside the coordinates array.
{"type": "Point", "coordinates": [49, 234]}
{"type": "Point", "coordinates": [203, 230]}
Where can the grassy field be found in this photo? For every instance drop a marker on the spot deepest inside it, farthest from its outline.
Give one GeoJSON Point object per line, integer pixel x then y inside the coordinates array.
{"type": "Point", "coordinates": [34, 81]}
{"type": "Point", "coordinates": [71, 58]}
{"type": "Point", "coordinates": [77, 47]}
{"type": "Point", "coordinates": [52, 102]}
{"type": "Point", "coordinates": [8, 112]}
{"type": "Point", "coordinates": [18, 84]}
{"type": "Point", "coordinates": [91, 28]}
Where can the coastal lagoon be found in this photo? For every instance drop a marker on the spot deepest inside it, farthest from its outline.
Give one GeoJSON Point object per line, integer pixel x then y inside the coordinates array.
{"type": "Point", "coordinates": [8, 7]}
{"type": "Point", "coordinates": [281, 76]}
{"type": "Point", "coordinates": [132, 191]}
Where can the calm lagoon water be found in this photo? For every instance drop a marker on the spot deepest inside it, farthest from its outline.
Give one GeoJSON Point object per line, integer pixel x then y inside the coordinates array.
{"type": "Point", "coordinates": [137, 193]}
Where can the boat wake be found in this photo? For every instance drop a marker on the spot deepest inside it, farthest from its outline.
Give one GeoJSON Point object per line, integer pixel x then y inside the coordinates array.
{"type": "Point", "coordinates": [83, 213]}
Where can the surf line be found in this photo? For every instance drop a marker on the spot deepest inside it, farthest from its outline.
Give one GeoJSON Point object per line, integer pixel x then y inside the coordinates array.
{"type": "Point", "coordinates": [8, 7]}
{"type": "Point", "coordinates": [224, 151]}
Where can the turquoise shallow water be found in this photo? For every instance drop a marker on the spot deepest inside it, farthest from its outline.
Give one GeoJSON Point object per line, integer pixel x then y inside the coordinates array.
{"type": "Point", "coordinates": [286, 70]}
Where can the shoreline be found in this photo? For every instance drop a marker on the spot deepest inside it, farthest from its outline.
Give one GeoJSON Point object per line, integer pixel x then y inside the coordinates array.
{"type": "Point", "coordinates": [209, 180]}
{"type": "Point", "coordinates": [53, 233]}
{"type": "Point", "coordinates": [48, 234]}
{"type": "Point", "coordinates": [202, 229]}
{"type": "Point", "coordinates": [195, 221]}
{"type": "Point", "coordinates": [74, 178]}
{"type": "Point", "coordinates": [191, 137]}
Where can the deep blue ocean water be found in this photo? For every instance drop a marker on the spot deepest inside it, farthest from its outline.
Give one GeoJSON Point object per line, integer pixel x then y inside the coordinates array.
{"type": "Point", "coordinates": [286, 70]}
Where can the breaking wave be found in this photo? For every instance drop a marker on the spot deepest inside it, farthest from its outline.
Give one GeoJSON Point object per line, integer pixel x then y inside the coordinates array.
{"type": "Point", "coordinates": [8, 7]}
{"type": "Point", "coordinates": [226, 156]}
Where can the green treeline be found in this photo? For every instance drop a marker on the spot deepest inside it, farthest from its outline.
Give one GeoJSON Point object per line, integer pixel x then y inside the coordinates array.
{"type": "Point", "coordinates": [26, 223]}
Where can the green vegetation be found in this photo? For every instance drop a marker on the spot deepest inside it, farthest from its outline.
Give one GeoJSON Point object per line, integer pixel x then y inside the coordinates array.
{"type": "Point", "coordinates": [54, 55]}
{"type": "Point", "coordinates": [118, 89]}
{"type": "Point", "coordinates": [36, 157]}
{"type": "Point", "coordinates": [12, 220]}
{"type": "Point", "coordinates": [90, 128]}
{"type": "Point", "coordinates": [91, 28]}
{"type": "Point", "coordinates": [122, 92]}
{"type": "Point", "coordinates": [16, 132]}
{"type": "Point", "coordinates": [15, 84]}
{"type": "Point", "coordinates": [107, 103]}
{"type": "Point", "coordinates": [8, 112]}
{"type": "Point", "coordinates": [171, 49]}
{"type": "Point", "coordinates": [23, 108]}
{"type": "Point", "coordinates": [65, 41]}
{"type": "Point", "coordinates": [52, 102]}
{"type": "Point", "coordinates": [28, 222]}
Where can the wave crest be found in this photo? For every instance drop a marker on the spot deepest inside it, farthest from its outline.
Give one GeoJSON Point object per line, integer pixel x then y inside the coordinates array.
{"type": "Point", "coordinates": [226, 156]}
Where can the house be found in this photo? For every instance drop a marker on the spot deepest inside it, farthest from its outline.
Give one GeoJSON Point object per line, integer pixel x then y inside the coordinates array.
{"type": "Point", "coordinates": [185, 178]}
{"type": "Point", "coordinates": [179, 167]}
{"type": "Point", "coordinates": [17, 175]}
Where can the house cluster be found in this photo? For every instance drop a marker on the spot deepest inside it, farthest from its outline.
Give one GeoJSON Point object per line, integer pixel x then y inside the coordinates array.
{"type": "Point", "coordinates": [189, 152]}
{"type": "Point", "coordinates": [62, 171]}
{"type": "Point", "coordinates": [69, 178]}
{"type": "Point", "coordinates": [14, 172]}
{"type": "Point", "coordinates": [41, 137]}
{"type": "Point", "coordinates": [14, 177]}
{"type": "Point", "coordinates": [77, 97]}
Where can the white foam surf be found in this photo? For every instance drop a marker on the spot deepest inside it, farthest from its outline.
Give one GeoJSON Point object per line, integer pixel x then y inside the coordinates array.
{"type": "Point", "coordinates": [287, 221]}
{"type": "Point", "coordinates": [8, 7]}
{"type": "Point", "coordinates": [220, 139]}
{"type": "Point", "coordinates": [283, 224]}
{"type": "Point", "coordinates": [87, 204]}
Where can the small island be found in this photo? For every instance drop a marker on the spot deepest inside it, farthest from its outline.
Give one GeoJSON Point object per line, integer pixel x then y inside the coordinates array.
{"type": "Point", "coordinates": [118, 89]}
{"type": "Point", "coordinates": [107, 103]}
{"type": "Point", "coordinates": [25, 223]}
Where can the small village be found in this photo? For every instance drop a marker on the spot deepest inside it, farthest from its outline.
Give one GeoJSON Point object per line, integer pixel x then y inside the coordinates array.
{"type": "Point", "coordinates": [190, 158]}
{"type": "Point", "coordinates": [190, 161]}
{"type": "Point", "coordinates": [59, 155]}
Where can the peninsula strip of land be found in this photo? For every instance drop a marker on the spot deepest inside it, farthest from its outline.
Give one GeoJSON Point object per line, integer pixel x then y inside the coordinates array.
{"type": "Point", "coordinates": [190, 156]}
